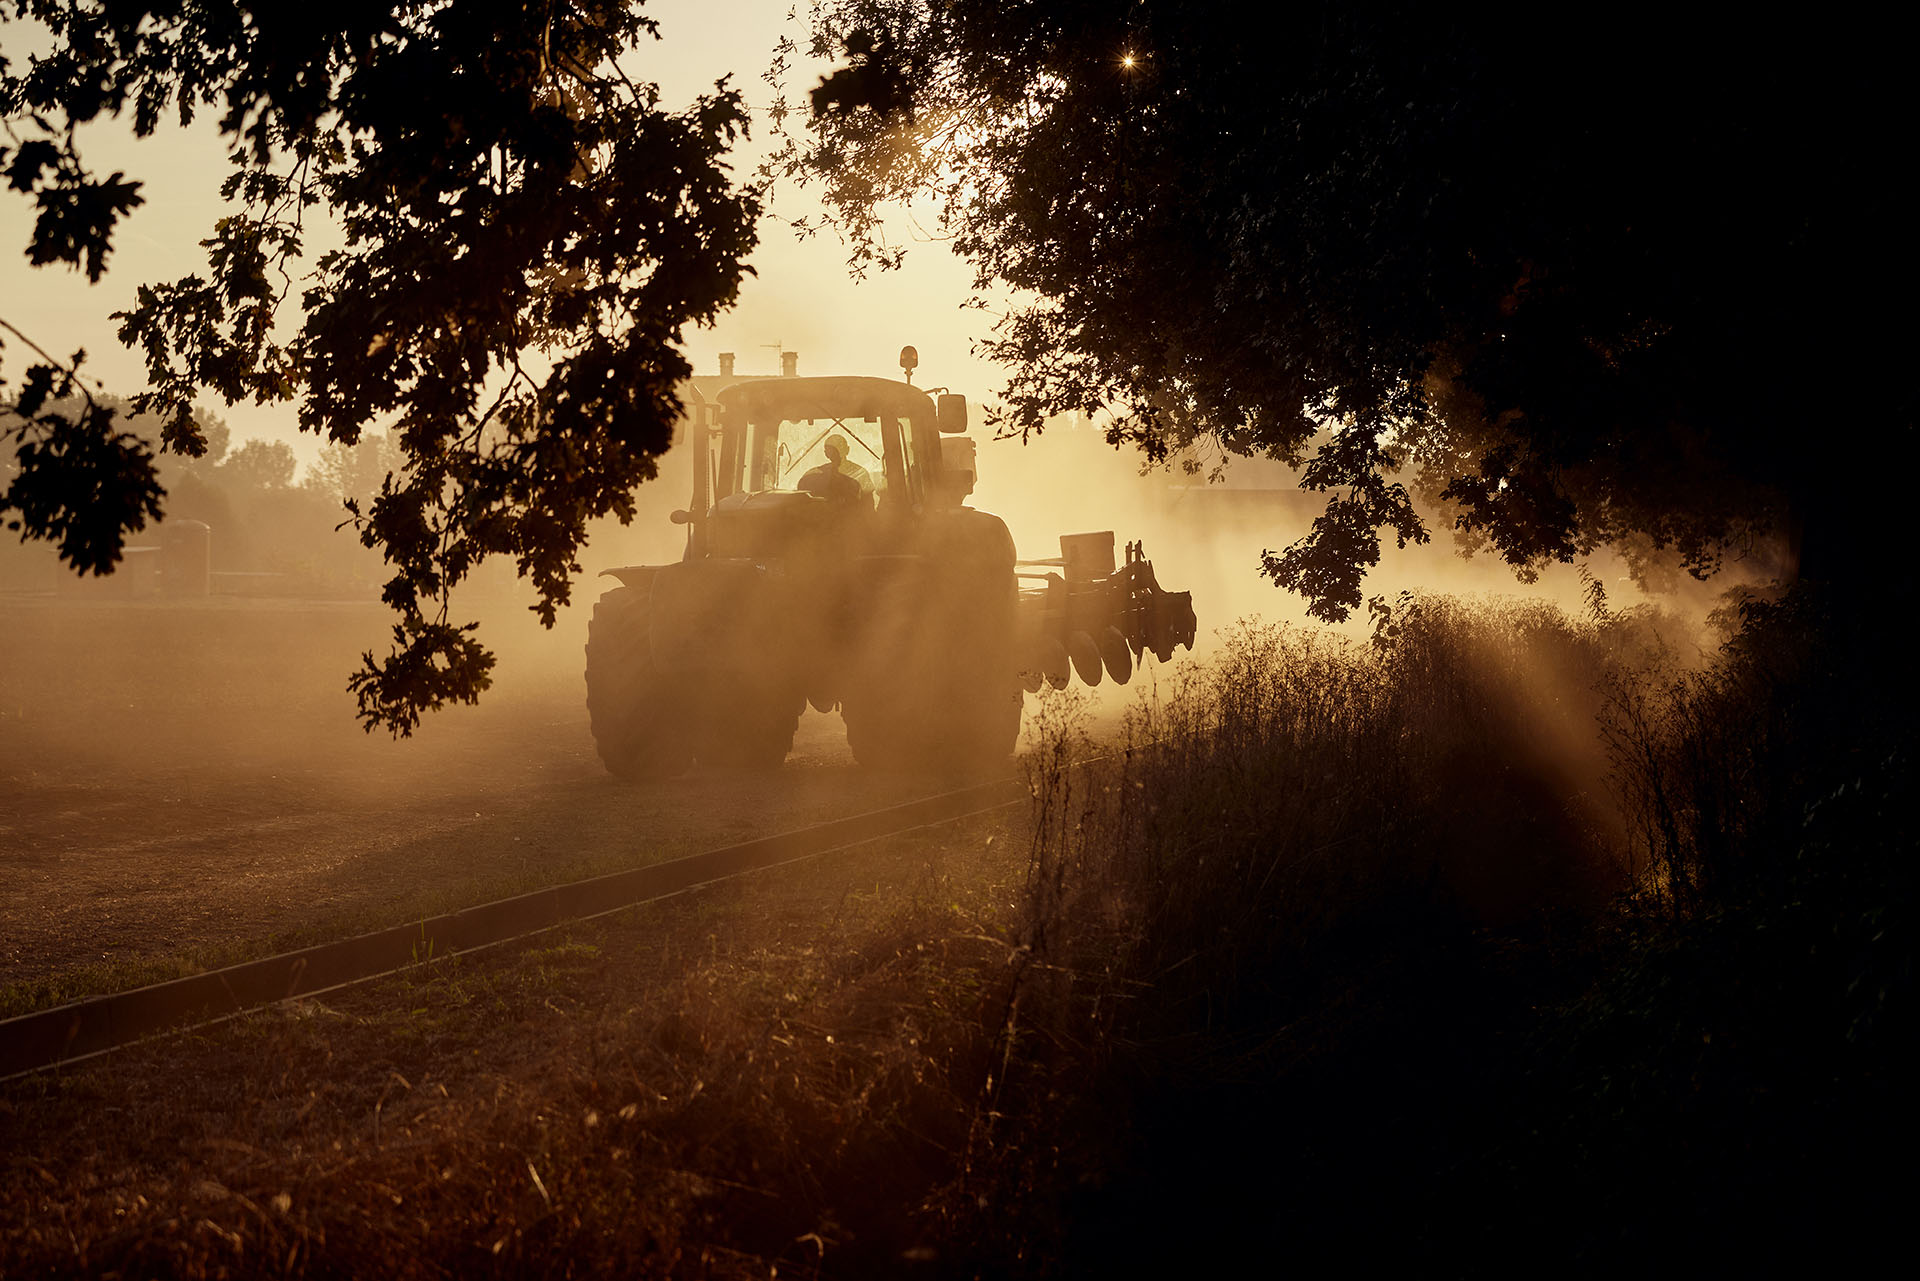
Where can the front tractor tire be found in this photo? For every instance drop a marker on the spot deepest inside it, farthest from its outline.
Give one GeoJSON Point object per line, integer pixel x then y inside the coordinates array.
{"type": "Point", "coordinates": [640, 716]}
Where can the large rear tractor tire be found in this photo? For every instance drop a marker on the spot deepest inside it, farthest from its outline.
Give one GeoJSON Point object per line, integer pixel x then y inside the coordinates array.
{"type": "Point", "coordinates": [917, 730]}
{"type": "Point", "coordinates": [877, 729]}
{"type": "Point", "coordinates": [940, 688]}
{"type": "Point", "coordinates": [988, 728]}
{"type": "Point", "coordinates": [751, 726]}
{"type": "Point", "coordinates": [640, 717]}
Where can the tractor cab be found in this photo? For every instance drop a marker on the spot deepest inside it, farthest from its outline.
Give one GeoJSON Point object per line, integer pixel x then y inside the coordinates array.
{"type": "Point", "coordinates": [762, 448]}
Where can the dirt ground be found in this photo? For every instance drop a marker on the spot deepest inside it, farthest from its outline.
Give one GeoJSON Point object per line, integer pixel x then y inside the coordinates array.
{"type": "Point", "coordinates": [701, 1086]}
{"type": "Point", "coordinates": [187, 781]}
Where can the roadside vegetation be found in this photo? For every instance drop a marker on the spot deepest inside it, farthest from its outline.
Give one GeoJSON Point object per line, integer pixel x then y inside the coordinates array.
{"type": "Point", "coordinates": [1508, 941]}
{"type": "Point", "coordinates": [1504, 939]}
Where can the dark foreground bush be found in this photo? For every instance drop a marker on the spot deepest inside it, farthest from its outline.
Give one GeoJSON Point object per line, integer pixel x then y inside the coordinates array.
{"type": "Point", "coordinates": [1352, 956]}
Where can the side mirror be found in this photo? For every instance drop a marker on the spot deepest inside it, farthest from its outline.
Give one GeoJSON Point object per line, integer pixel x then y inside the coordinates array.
{"type": "Point", "coordinates": [950, 411]}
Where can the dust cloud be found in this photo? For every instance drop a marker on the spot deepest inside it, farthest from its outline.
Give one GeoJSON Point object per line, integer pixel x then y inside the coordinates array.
{"type": "Point", "coordinates": [1207, 537]}
{"type": "Point", "coordinates": [99, 677]}
{"type": "Point", "coordinates": [1203, 535]}
{"type": "Point", "coordinates": [192, 768]}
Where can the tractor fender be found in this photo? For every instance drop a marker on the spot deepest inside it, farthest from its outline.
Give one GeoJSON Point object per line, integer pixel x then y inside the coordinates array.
{"type": "Point", "coordinates": [638, 577]}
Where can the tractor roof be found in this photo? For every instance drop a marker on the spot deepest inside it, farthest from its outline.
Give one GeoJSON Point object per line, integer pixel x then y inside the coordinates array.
{"type": "Point", "coordinates": [851, 397]}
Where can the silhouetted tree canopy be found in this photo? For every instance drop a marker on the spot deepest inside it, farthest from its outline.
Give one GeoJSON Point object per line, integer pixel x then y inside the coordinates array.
{"type": "Point", "coordinates": [527, 231]}
{"type": "Point", "coordinates": [1613, 275]}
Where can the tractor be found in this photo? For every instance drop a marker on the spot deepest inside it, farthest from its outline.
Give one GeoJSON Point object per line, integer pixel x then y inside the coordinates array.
{"type": "Point", "coordinates": [831, 560]}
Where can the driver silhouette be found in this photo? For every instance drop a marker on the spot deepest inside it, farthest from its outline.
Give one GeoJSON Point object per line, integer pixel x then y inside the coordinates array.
{"type": "Point", "coordinates": [839, 479]}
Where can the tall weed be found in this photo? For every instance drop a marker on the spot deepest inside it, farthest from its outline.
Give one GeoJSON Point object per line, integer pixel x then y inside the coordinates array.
{"type": "Point", "coordinates": [1711, 761]}
{"type": "Point", "coordinates": [1301, 777]}
{"type": "Point", "coordinates": [1214, 900]}
{"type": "Point", "coordinates": [1333, 935]}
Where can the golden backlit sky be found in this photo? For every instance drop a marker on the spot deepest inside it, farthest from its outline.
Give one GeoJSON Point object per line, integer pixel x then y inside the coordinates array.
{"type": "Point", "coordinates": [802, 298]}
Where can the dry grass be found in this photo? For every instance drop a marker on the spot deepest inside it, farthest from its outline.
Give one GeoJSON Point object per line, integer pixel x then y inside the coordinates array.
{"type": "Point", "coordinates": [1352, 944]}
{"type": "Point", "coordinates": [1302, 778]}
{"type": "Point", "coordinates": [1714, 762]}
{"type": "Point", "coordinates": [774, 1074]}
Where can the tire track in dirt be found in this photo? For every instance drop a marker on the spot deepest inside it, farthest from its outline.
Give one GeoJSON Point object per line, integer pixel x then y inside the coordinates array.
{"type": "Point", "coordinates": [124, 877]}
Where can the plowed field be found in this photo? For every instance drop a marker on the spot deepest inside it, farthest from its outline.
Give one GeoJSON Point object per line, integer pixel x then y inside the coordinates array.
{"type": "Point", "coordinates": [186, 783]}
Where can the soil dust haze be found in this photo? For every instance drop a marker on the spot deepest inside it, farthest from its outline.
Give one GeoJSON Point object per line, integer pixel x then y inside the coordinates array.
{"type": "Point", "coordinates": [192, 771]}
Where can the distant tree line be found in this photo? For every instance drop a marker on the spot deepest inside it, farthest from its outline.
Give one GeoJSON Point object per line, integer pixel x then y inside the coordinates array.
{"type": "Point", "coordinates": [262, 521]}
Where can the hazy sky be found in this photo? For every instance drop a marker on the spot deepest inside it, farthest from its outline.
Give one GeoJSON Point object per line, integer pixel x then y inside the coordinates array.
{"type": "Point", "coordinates": [802, 298]}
